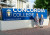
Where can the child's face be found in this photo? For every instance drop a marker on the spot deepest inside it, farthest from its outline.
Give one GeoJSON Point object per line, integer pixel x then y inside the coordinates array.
{"type": "Point", "coordinates": [42, 16]}
{"type": "Point", "coordinates": [36, 14]}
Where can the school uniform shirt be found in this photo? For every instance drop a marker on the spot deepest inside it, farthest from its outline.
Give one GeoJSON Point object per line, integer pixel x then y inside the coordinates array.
{"type": "Point", "coordinates": [42, 20]}
{"type": "Point", "coordinates": [37, 20]}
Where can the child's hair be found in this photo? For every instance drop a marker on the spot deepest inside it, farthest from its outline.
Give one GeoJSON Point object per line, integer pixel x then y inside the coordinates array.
{"type": "Point", "coordinates": [41, 15]}
{"type": "Point", "coordinates": [36, 13]}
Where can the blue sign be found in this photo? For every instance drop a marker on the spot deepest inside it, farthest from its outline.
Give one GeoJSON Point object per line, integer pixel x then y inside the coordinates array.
{"type": "Point", "coordinates": [22, 14]}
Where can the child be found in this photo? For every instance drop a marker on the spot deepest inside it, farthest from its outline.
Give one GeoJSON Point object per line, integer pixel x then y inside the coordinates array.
{"type": "Point", "coordinates": [41, 21]}
{"type": "Point", "coordinates": [37, 19]}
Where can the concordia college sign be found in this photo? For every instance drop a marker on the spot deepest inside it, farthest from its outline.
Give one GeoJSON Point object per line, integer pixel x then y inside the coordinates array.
{"type": "Point", "coordinates": [22, 14]}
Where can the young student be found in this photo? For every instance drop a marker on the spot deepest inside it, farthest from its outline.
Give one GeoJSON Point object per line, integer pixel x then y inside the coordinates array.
{"type": "Point", "coordinates": [41, 21]}
{"type": "Point", "coordinates": [37, 19]}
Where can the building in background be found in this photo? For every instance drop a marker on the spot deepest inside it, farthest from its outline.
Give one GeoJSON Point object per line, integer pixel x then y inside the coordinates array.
{"type": "Point", "coordinates": [20, 3]}
{"type": "Point", "coordinates": [13, 3]}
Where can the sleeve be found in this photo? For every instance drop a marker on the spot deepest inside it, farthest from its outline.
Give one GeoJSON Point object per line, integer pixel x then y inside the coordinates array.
{"type": "Point", "coordinates": [43, 19]}
{"type": "Point", "coordinates": [35, 18]}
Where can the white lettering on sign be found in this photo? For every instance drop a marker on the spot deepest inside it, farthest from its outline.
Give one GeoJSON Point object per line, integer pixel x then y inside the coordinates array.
{"type": "Point", "coordinates": [30, 10]}
{"type": "Point", "coordinates": [23, 15]}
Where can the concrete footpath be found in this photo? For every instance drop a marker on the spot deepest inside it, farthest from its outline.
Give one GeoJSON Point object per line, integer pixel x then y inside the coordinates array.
{"type": "Point", "coordinates": [28, 31]}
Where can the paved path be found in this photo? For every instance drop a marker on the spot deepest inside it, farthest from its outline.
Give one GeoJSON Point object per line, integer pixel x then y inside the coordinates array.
{"type": "Point", "coordinates": [28, 31]}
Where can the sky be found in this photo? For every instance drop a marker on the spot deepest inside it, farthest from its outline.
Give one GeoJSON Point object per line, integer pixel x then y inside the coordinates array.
{"type": "Point", "coordinates": [31, 1]}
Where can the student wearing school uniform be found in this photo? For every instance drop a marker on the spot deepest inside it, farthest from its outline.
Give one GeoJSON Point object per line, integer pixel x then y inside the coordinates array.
{"type": "Point", "coordinates": [37, 20]}
{"type": "Point", "coordinates": [41, 21]}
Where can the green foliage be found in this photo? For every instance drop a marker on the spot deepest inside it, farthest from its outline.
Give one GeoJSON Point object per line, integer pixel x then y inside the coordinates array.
{"type": "Point", "coordinates": [42, 4]}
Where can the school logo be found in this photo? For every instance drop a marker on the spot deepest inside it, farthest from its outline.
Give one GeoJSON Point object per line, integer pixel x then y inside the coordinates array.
{"type": "Point", "coordinates": [8, 12]}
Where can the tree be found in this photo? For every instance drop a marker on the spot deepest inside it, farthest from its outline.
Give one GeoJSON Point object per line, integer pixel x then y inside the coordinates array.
{"type": "Point", "coordinates": [42, 4]}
